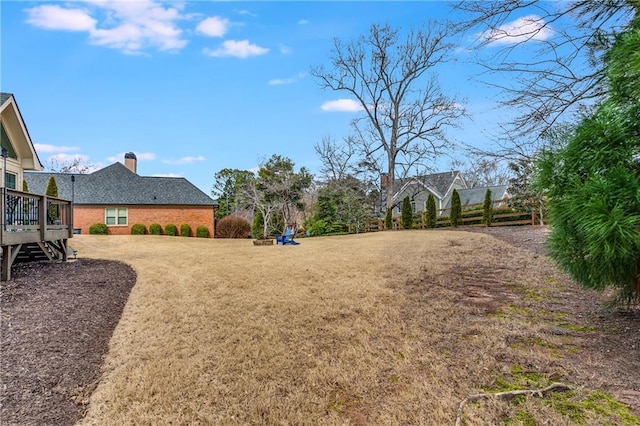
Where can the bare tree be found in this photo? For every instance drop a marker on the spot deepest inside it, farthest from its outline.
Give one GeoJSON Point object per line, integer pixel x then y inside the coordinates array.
{"type": "Point", "coordinates": [337, 160]}
{"type": "Point", "coordinates": [74, 165]}
{"type": "Point", "coordinates": [404, 110]}
{"type": "Point", "coordinates": [560, 78]}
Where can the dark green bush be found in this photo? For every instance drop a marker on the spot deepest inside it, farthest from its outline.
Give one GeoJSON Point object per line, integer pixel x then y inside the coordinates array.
{"type": "Point", "coordinates": [98, 229]}
{"type": "Point", "coordinates": [456, 209]}
{"type": "Point", "coordinates": [431, 216]}
{"type": "Point", "coordinates": [155, 229]}
{"type": "Point", "coordinates": [233, 227]}
{"type": "Point", "coordinates": [487, 208]}
{"type": "Point", "coordinates": [388, 220]}
{"type": "Point", "coordinates": [202, 232]}
{"type": "Point", "coordinates": [138, 229]}
{"type": "Point", "coordinates": [407, 213]}
{"type": "Point", "coordinates": [185, 230]}
{"type": "Point", "coordinates": [171, 229]}
{"type": "Point", "coordinates": [258, 226]}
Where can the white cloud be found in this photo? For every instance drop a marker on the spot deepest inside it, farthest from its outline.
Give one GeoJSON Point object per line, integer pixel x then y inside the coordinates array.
{"type": "Point", "coordinates": [129, 26]}
{"type": "Point", "coordinates": [531, 27]}
{"type": "Point", "coordinates": [64, 158]}
{"type": "Point", "coordinates": [303, 22]}
{"type": "Point", "coordinates": [140, 156]}
{"type": "Point", "coordinates": [283, 81]}
{"type": "Point", "coordinates": [285, 50]}
{"type": "Point", "coordinates": [54, 17]}
{"type": "Point", "coordinates": [185, 160]}
{"type": "Point", "coordinates": [342, 105]}
{"type": "Point", "coordinates": [213, 26]}
{"type": "Point", "coordinates": [167, 175]}
{"type": "Point", "coordinates": [43, 147]}
{"type": "Point", "coordinates": [237, 48]}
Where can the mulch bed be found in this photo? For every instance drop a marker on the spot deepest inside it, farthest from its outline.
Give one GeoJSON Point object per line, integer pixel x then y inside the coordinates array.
{"type": "Point", "coordinates": [57, 319]}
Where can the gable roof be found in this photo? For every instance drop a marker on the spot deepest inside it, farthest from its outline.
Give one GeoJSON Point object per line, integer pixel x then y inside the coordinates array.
{"type": "Point", "coordinates": [439, 183]}
{"type": "Point", "coordinates": [117, 185]}
{"type": "Point", "coordinates": [476, 195]}
{"type": "Point", "coordinates": [11, 113]}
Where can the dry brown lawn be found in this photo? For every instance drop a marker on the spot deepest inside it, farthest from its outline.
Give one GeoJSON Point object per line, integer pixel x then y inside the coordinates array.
{"type": "Point", "coordinates": [383, 328]}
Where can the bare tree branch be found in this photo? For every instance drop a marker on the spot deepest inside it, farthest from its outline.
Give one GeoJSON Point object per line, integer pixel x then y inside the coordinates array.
{"type": "Point", "coordinates": [404, 111]}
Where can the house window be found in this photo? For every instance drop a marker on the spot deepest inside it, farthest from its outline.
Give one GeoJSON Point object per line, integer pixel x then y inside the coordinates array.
{"type": "Point", "coordinates": [10, 180]}
{"type": "Point", "coordinates": [413, 206]}
{"type": "Point", "coordinates": [115, 217]}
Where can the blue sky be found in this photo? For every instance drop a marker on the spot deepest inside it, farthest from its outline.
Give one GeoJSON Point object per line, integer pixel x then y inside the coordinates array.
{"type": "Point", "coordinates": [194, 87]}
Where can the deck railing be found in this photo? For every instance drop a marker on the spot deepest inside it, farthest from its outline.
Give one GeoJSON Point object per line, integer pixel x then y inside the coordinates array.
{"type": "Point", "coordinates": [28, 218]}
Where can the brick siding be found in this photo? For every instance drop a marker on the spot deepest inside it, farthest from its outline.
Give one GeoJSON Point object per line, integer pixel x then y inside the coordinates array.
{"type": "Point", "coordinates": [84, 216]}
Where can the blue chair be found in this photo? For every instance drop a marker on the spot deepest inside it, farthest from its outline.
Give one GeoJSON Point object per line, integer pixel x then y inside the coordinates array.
{"type": "Point", "coordinates": [286, 238]}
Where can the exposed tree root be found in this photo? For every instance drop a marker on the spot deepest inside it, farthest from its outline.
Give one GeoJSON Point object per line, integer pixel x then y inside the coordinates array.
{"type": "Point", "coordinates": [509, 395]}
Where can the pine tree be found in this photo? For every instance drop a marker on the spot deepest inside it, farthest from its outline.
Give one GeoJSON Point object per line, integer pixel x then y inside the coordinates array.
{"type": "Point", "coordinates": [487, 208]}
{"type": "Point", "coordinates": [593, 182]}
{"type": "Point", "coordinates": [52, 191]}
{"type": "Point", "coordinates": [407, 213]}
{"type": "Point", "coordinates": [52, 188]}
{"type": "Point", "coordinates": [431, 211]}
{"type": "Point", "coordinates": [25, 186]}
{"type": "Point", "coordinates": [258, 224]}
{"type": "Point", "coordinates": [456, 209]}
{"type": "Point", "coordinates": [388, 220]}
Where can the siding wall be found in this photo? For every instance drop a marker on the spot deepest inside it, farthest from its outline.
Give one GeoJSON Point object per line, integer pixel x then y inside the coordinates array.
{"type": "Point", "coordinates": [84, 216]}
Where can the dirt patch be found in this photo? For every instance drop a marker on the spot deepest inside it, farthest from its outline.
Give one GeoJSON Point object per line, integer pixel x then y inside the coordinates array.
{"type": "Point", "coordinates": [610, 352]}
{"type": "Point", "coordinates": [57, 319]}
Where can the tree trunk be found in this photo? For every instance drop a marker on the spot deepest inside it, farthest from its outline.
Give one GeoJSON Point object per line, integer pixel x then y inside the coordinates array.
{"type": "Point", "coordinates": [391, 180]}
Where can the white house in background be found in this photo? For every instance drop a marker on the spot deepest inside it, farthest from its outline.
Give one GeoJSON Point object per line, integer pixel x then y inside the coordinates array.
{"type": "Point", "coordinates": [441, 186]}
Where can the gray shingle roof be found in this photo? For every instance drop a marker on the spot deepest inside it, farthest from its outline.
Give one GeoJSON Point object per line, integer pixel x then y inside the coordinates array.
{"type": "Point", "coordinates": [117, 185]}
{"type": "Point", "coordinates": [4, 97]}
{"type": "Point", "coordinates": [438, 181]}
{"type": "Point", "coordinates": [476, 195]}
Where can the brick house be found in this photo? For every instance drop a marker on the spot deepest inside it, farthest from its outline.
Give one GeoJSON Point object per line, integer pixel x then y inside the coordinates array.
{"type": "Point", "coordinates": [117, 196]}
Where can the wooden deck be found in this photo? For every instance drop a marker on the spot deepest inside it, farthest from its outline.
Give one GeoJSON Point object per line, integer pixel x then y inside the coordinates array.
{"type": "Point", "coordinates": [33, 219]}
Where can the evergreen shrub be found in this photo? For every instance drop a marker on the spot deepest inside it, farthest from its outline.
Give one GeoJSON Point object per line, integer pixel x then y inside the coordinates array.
{"type": "Point", "coordinates": [202, 232]}
{"type": "Point", "coordinates": [171, 230]}
{"type": "Point", "coordinates": [388, 220]}
{"type": "Point", "coordinates": [258, 225]}
{"type": "Point", "coordinates": [155, 229]}
{"type": "Point", "coordinates": [407, 213]}
{"type": "Point", "coordinates": [456, 209]}
{"type": "Point", "coordinates": [138, 229]}
{"type": "Point", "coordinates": [185, 230]}
{"type": "Point", "coordinates": [98, 229]}
{"type": "Point", "coordinates": [487, 208]}
{"type": "Point", "coordinates": [431, 217]}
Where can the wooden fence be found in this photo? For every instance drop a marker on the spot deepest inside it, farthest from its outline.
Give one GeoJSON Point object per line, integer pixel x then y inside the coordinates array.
{"type": "Point", "coordinates": [471, 216]}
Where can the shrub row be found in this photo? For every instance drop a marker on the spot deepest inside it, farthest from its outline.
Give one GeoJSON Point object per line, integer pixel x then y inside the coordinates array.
{"type": "Point", "coordinates": [154, 229]}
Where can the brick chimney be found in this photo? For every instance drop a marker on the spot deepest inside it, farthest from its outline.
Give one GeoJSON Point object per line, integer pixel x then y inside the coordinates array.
{"type": "Point", "coordinates": [384, 180]}
{"type": "Point", "coordinates": [131, 162]}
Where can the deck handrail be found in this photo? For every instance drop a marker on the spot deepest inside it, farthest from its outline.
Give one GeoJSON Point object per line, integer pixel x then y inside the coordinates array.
{"type": "Point", "coordinates": [24, 214]}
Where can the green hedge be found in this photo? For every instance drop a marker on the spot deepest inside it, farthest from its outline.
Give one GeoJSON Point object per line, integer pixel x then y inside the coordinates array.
{"type": "Point", "coordinates": [155, 229]}
{"type": "Point", "coordinates": [185, 230]}
{"type": "Point", "coordinates": [171, 229]}
{"type": "Point", "coordinates": [202, 232]}
{"type": "Point", "coordinates": [138, 229]}
{"type": "Point", "coordinates": [98, 229]}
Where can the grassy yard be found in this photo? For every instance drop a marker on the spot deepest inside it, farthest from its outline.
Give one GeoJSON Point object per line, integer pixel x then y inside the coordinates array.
{"type": "Point", "coordinates": [382, 328]}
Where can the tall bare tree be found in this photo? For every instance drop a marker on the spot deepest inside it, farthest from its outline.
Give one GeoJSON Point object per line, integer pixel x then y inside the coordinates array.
{"type": "Point", "coordinates": [404, 110]}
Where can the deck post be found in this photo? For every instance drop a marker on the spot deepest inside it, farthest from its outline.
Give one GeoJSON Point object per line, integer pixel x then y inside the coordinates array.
{"type": "Point", "coordinates": [6, 263]}
{"type": "Point", "coordinates": [42, 216]}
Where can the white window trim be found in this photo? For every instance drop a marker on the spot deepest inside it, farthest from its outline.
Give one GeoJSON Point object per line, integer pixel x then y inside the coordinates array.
{"type": "Point", "coordinates": [116, 217]}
